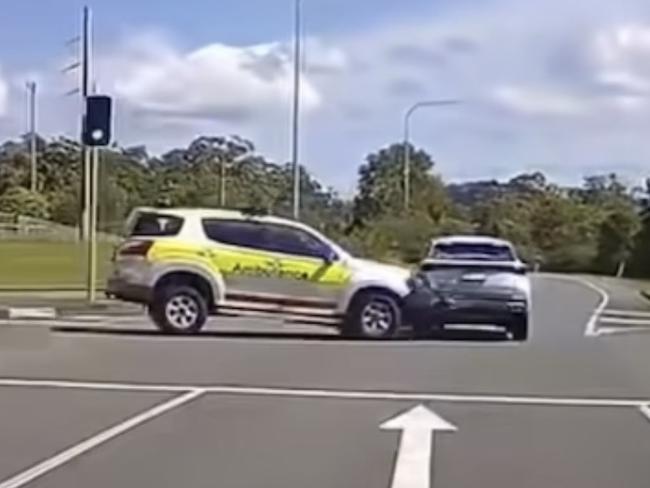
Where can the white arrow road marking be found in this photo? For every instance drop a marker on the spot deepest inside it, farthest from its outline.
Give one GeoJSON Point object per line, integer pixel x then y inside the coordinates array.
{"type": "Point", "coordinates": [413, 462]}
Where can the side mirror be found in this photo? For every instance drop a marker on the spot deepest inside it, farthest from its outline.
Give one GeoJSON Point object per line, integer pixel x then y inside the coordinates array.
{"type": "Point", "coordinates": [523, 268]}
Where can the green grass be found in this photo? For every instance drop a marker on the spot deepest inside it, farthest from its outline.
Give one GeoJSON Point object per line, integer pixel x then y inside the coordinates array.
{"type": "Point", "coordinates": [32, 264]}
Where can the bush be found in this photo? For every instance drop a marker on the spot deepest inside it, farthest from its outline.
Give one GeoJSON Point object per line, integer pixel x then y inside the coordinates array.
{"type": "Point", "coordinates": [21, 201]}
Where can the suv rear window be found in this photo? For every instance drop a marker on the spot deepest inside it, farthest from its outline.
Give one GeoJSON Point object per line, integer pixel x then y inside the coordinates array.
{"type": "Point", "coordinates": [488, 252]}
{"type": "Point", "coordinates": [156, 225]}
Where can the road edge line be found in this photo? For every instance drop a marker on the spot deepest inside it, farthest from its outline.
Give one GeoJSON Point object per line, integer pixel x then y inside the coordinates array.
{"type": "Point", "coordinates": [645, 411]}
{"type": "Point", "coordinates": [96, 440]}
{"type": "Point", "coordinates": [591, 329]}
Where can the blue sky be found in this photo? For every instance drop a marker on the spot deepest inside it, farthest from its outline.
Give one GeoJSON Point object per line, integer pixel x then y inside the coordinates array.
{"type": "Point", "coordinates": [193, 22]}
{"type": "Point", "coordinates": [557, 86]}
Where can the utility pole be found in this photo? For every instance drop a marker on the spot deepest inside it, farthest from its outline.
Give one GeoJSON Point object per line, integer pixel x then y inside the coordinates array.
{"type": "Point", "coordinates": [296, 111]}
{"type": "Point", "coordinates": [222, 182]}
{"type": "Point", "coordinates": [86, 180]}
{"type": "Point", "coordinates": [31, 90]}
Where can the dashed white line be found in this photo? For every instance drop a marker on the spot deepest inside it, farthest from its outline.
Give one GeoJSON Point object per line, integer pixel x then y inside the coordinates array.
{"type": "Point", "coordinates": [77, 450]}
{"type": "Point", "coordinates": [336, 394]}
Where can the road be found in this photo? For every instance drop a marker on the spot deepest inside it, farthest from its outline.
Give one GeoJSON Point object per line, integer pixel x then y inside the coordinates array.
{"type": "Point", "coordinates": [107, 403]}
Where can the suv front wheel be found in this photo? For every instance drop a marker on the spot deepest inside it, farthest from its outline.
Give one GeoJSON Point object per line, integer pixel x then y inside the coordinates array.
{"type": "Point", "coordinates": [372, 315]}
{"type": "Point", "coordinates": [179, 309]}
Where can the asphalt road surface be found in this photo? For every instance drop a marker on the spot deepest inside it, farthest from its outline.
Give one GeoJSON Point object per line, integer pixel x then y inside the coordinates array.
{"type": "Point", "coordinates": [105, 402]}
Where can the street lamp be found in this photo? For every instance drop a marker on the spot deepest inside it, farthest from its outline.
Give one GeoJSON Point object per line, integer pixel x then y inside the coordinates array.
{"type": "Point", "coordinates": [296, 110]}
{"type": "Point", "coordinates": [407, 149]}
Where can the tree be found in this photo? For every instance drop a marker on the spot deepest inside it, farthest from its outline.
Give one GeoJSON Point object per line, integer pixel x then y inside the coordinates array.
{"type": "Point", "coordinates": [639, 265]}
{"type": "Point", "coordinates": [20, 201]}
{"type": "Point", "coordinates": [616, 239]}
{"type": "Point", "coordinates": [380, 190]}
{"type": "Point", "coordinates": [378, 212]}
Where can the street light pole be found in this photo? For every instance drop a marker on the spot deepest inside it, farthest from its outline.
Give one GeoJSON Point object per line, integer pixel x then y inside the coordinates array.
{"type": "Point", "coordinates": [31, 89]}
{"type": "Point", "coordinates": [407, 144]}
{"type": "Point", "coordinates": [296, 111]}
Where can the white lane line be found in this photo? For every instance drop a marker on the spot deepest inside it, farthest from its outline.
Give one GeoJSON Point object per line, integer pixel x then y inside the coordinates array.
{"type": "Point", "coordinates": [90, 385]}
{"type": "Point", "coordinates": [591, 329]}
{"type": "Point", "coordinates": [431, 397]}
{"type": "Point", "coordinates": [77, 450]}
{"type": "Point", "coordinates": [336, 394]}
{"type": "Point", "coordinates": [613, 320]}
{"type": "Point", "coordinates": [645, 410]}
{"type": "Point", "coordinates": [603, 331]}
{"type": "Point", "coordinates": [626, 313]}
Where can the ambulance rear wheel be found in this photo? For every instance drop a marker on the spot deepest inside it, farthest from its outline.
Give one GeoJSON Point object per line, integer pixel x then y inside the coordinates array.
{"type": "Point", "coordinates": [179, 309]}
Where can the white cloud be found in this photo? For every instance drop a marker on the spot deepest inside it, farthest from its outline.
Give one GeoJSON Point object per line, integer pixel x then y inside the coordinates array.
{"type": "Point", "coordinates": [216, 81]}
{"type": "Point", "coordinates": [321, 58]}
{"type": "Point", "coordinates": [622, 55]}
{"type": "Point", "coordinates": [539, 101]}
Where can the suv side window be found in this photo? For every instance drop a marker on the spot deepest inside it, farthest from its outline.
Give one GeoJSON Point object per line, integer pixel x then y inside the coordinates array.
{"type": "Point", "coordinates": [235, 232]}
{"type": "Point", "coordinates": [156, 225]}
{"type": "Point", "coordinates": [289, 240]}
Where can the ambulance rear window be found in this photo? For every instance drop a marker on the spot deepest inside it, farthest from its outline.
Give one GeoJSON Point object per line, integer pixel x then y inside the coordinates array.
{"type": "Point", "coordinates": [156, 225]}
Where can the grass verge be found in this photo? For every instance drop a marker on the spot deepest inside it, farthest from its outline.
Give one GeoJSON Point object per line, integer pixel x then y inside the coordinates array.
{"type": "Point", "coordinates": [42, 264]}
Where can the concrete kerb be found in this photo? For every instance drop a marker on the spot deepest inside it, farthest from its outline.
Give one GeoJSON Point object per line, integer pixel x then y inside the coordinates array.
{"type": "Point", "coordinates": [27, 313]}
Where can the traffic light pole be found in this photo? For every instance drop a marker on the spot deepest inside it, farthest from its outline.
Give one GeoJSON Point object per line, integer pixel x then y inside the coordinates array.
{"type": "Point", "coordinates": [90, 164]}
{"type": "Point", "coordinates": [91, 278]}
{"type": "Point", "coordinates": [86, 181]}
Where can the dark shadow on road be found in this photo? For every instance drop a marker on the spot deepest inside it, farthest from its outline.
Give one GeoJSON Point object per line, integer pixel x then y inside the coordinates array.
{"type": "Point", "coordinates": [446, 336]}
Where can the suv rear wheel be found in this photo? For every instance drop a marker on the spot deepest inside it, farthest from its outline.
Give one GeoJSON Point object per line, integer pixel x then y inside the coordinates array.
{"type": "Point", "coordinates": [372, 315]}
{"type": "Point", "coordinates": [179, 309]}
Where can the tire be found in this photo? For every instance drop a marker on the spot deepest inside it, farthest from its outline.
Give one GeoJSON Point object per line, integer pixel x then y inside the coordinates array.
{"type": "Point", "coordinates": [179, 309]}
{"type": "Point", "coordinates": [518, 328]}
{"type": "Point", "coordinates": [373, 315]}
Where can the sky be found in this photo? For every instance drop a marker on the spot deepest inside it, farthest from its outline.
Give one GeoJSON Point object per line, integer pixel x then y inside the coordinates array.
{"type": "Point", "coordinates": [556, 86]}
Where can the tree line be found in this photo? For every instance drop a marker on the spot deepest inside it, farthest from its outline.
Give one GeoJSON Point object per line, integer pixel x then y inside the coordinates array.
{"type": "Point", "coordinates": [601, 226]}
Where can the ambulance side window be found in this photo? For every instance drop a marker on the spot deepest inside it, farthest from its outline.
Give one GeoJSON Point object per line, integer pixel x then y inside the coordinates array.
{"type": "Point", "coordinates": [235, 233]}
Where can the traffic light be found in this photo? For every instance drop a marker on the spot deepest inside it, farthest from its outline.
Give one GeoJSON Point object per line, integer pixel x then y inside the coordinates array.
{"type": "Point", "coordinates": [98, 121]}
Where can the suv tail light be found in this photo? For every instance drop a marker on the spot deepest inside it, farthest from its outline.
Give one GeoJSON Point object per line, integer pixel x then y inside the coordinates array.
{"type": "Point", "coordinates": [135, 248]}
